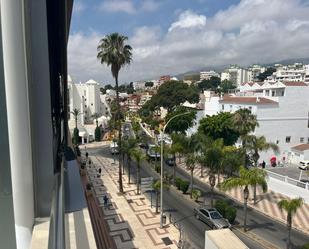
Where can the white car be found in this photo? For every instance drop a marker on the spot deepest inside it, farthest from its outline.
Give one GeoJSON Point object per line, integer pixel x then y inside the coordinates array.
{"type": "Point", "coordinates": [113, 148]}
{"type": "Point", "coordinates": [304, 165]}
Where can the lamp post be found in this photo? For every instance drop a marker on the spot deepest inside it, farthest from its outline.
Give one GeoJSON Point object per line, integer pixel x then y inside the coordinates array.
{"type": "Point", "coordinates": [161, 187]}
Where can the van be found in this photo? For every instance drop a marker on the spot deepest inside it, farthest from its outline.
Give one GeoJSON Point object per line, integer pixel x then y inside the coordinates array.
{"type": "Point", "coordinates": [113, 148]}
{"type": "Point", "coordinates": [304, 165]}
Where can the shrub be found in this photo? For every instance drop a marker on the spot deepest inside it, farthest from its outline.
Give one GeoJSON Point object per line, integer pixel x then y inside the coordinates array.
{"type": "Point", "coordinates": [230, 214]}
{"type": "Point", "coordinates": [178, 181]}
{"type": "Point", "coordinates": [221, 206]}
{"type": "Point", "coordinates": [305, 246]}
{"type": "Point", "coordinates": [97, 134]}
{"type": "Point", "coordinates": [196, 193]}
{"type": "Point", "coordinates": [158, 168]}
{"type": "Point", "coordinates": [184, 186]}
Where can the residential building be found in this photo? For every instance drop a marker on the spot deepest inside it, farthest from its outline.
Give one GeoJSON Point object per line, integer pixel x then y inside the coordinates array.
{"type": "Point", "coordinates": [206, 75]}
{"type": "Point", "coordinates": [254, 71]}
{"type": "Point", "coordinates": [164, 79]}
{"type": "Point", "coordinates": [281, 108]}
{"type": "Point", "coordinates": [235, 74]}
{"type": "Point", "coordinates": [295, 72]}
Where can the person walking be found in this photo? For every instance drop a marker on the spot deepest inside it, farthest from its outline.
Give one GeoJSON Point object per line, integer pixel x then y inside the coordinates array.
{"type": "Point", "coordinates": [105, 198]}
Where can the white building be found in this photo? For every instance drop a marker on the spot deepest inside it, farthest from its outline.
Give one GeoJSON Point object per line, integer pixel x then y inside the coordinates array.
{"type": "Point", "coordinates": [281, 110]}
{"type": "Point", "coordinates": [87, 98]}
{"type": "Point", "coordinates": [254, 71]}
{"type": "Point", "coordinates": [295, 72]}
{"type": "Point", "coordinates": [235, 74]}
{"type": "Point", "coordinates": [206, 75]}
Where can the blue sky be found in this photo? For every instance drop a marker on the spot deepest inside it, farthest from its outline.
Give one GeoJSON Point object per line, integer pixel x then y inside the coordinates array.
{"type": "Point", "coordinates": [175, 36]}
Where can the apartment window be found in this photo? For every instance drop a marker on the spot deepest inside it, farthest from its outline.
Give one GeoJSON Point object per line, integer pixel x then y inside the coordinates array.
{"type": "Point", "coordinates": [277, 142]}
{"type": "Point", "coordinates": [222, 107]}
{"type": "Point", "coordinates": [85, 106]}
{"type": "Point", "coordinates": [91, 104]}
{"type": "Point", "coordinates": [288, 139]}
{"type": "Point", "coordinates": [302, 139]}
{"type": "Point", "coordinates": [267, 93]}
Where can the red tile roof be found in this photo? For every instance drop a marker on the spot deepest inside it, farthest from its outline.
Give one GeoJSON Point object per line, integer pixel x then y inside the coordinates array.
{"type": "Point", "coordinates": [247, 100]}
{"type": "Point", "coordinates": [294, 83]}
{"type": "Point", "coordinates": [301, 147]}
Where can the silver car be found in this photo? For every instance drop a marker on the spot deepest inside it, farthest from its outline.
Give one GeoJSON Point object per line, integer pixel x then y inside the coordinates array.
{"type": "Point", "coordinates": [211, 217]}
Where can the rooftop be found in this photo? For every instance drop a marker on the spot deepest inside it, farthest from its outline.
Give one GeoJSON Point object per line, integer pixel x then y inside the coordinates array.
{"type": "Point", "coordinates": [301, 147]}
{"type": "Point", "coordinates": [247, 100]}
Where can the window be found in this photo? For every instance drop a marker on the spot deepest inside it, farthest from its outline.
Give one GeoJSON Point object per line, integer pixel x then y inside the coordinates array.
{"type": "Point", "coordinates": [91, 104]}
{"type": "Point", "coordinates": [250, 108]}
{"type": "Point", "coordinates": [288, 139]}
{"type": "Point", "coordinates": [267, 93]}
{"type": "Point", "coordinates": [302, 139]}
{"type": "Point", "coordinates": [204, 212]}
{"type": "Point", "coordinates": [308, 140]}
{"type": "Point", "coordinates": [222, 107]}
{"type": "Point", "coordinates": [231, 107]}
{"type": "Point", "coordinates": [85, 106]}
{"type": "Point", "coordinates": [277, 142]}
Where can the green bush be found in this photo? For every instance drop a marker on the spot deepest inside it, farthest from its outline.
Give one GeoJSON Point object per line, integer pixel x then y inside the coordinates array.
{"type": "Point", "coordinates": [305, 246]}
{"type": "Point", "coordinates": [221, 206]}
{"type": "Point", "coordinates": [178, 181]}
{"type": "Point", "coordinates": [184, 186]}
{"type": "Point", "coordinates": [75, 136]}
{"type": "Point", "coordinates": [230, 214]}
{"type": "Point", "coordinates": [196, 194]}
{"type": "Point", "coordinates": [158, 168]}
{"type": "Point", "coordinates": [97, 134]}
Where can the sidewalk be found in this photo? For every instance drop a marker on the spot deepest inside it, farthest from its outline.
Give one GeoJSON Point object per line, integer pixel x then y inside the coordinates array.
{"type": "Point", "coordinates": [132, 223]}
{"type": "Point", "coordinates": [266, 202]}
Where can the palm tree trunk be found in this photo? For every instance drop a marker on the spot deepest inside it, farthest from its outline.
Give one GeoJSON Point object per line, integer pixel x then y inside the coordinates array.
{"type": "Point", "coordinates": [76, 122]}
{"type": "Point", "coordinates": [119, 134]}
{"type": "Point", "coordinates": [254, 194]}
{"type": "Point", "coordinates": [123, 159]}
{"type": "Point", "coordinates": [174, 172]}
{"type": "Point", "coordinates": [246, 194]}
{"type": "Point", "coordinates": [129, 169]}
{"type": "Point", "coordinates": [202, 167]}
{"type": "Point", "coordinates": [191, 183]}
{"type": "Point", "coordinates": [157, 201]}
{"type": "Point", "coordinates": [289, 224]}
{"type": "Point", "coordinates": [138, 179]}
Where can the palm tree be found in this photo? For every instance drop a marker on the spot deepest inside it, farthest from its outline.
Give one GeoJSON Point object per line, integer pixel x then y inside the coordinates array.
{"type": "Point", "coordinates": [290, 206]}
{"type": "Point", "coordinates": [244, 122]}
{"type": "Point", "coordinates": [138, 157]}
{"type": "Point", "coordinates": [157, 187]}
{"type": "Point", "coordinates": [245, 179]}
{"type": "Point", "coordinates": [190, 164]}
{"type": "Point", "coordinates": [76, 113]}
{"type": "Point", "coordinates": [127, 146]}
{"type": "Point", "coordinates": [113, 52]}
{"type": "Point", "coordinates": [256, 145]}
{"type": "Point", "coordinates": [213, 160]}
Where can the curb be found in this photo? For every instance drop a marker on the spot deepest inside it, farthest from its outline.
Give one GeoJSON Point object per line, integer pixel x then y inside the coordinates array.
{"type": "Point", "coordinates": [249, 205]}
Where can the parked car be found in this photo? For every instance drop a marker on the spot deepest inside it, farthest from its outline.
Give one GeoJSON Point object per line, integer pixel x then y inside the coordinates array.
{"type": "Point", "coordinates": [170, 160]}
{"type": "Point", "coordinates": [304, 165]}
{"type": "Point", "coordinates": [151, 153]}
{"type": "Point", "coordinates": [113, 148]}
{"type": "Point", "coordinates": [211, 217]}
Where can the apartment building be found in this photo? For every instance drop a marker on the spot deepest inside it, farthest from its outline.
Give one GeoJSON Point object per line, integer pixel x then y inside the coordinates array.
{"type": "Point", "coordinates": [282, 110]}
{"type": "Point", "coordinates": [254, 71]}
{"type": "Point", "coordinates": [235, 74]}
{"type": "Point", "coordinates": [294, 72]}
{"type": "Point", "coordinates": [206, 75]}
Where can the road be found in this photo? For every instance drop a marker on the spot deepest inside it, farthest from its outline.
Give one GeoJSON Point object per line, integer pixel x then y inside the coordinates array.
{"type": "Point", "coordinates": [181, 209]}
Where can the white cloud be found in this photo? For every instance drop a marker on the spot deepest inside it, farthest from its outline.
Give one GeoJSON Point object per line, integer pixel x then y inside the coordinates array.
{"type": "Point", "coordinates": [78, 7]}
{"type": "Point", "coordinates": [188, 19]}
{"type": "Point", "coordinates": [126, 6]}
{"type": "Point", "coordinates": [254, 31]}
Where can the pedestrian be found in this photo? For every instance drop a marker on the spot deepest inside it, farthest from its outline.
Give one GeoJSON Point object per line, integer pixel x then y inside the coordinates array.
{"type": "Point", "coordinates": [99, 172]}
{"type": "Point", "coordinates": [105, 198]}
{"type": "Point", "coordinates": [263, 164]}
{"type": "Point", "coordinates": [87, 155]}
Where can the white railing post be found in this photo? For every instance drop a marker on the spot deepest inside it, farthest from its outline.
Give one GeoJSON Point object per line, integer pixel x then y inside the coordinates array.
{"type": "Point", "coordinates": [286, 178]}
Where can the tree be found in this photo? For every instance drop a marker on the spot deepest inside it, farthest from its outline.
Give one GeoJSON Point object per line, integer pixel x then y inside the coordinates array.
{"type": "Point", "coordinates": [97, 132]}
{"type": "Point", "coordinates": [138, 157]}
{"type": "Point", "coordinates": [269, 71]}
{"type": "Point", "coordinates": [113, 52]}
{"type": "Point", "coordinates": [255, 145]}
{"type": "Point", "coordinates": [181, 123]}
{"type": "Point", "coordinates": [128, 145]}
{"type": "Point", "coordinates": [290, 206]}
{"type": "Point", "coordinates": [190, 164]}
{"type": "Point", "coordinates": [226, 85]}
{"type": "Point", "coordinates": [245, 179]}
{"type": "Point", "coordinates": [231, 160]}
{"type": "Point", "coordinates": [75, 113]}
{"type": "Point", "coordinates": [213, 160]}
{"type": "Point", "coordinates": [149, 84]}
{"type": "Point", "coordinates": [211, 84]}
{"type": "Point", "coordinates": [219, 126]}
{"type": "Point", "coordinates": [157, 187]}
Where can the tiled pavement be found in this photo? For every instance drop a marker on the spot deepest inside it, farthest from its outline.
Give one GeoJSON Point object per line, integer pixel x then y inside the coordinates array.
{"type": "Point", "coordinates": [132, 223]}
{"type": "Point", "coordinates": [266, 202]}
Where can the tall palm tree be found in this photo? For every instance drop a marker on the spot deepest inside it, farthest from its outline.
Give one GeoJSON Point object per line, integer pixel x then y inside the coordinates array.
{"type": "Point", "coordinates": [213, 160]}
{"type": "Point", "coordinates": [113, 51]}
{"type": "Point", "coordinates": [245, 179]}
{"type": "Point", "coordinates": [290, 206]}
{"type": "Point", "coordinates": [244, 122]}
{"type": "Point", "coordinates": [138, 156]}
{"type": "Point", "coordinates": [255, 145]}
{"type": "Point", "coordinates": [76, 112]}
{"type": "Point", "coordinates": [190, 164]}
{"type": "Point", "coordinates": [127, 146]}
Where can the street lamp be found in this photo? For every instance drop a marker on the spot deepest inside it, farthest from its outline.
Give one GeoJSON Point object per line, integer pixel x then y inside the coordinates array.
{"type": "Point", "coordinates": [161, 135]}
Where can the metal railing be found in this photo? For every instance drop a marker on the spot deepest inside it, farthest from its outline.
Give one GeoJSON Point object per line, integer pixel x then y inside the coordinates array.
{"type": "Point", "coordinates": [56, 239]}
{"type": "Point", "coordinates": [289, 180]}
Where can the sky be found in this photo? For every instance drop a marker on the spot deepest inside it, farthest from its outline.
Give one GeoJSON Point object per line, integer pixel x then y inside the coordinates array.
{"type": "Point", "coordinates": [177, 36]}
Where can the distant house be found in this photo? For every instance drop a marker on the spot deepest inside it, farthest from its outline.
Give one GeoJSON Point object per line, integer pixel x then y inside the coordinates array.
{"type": "Point", "coordinates": [299, 153]}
